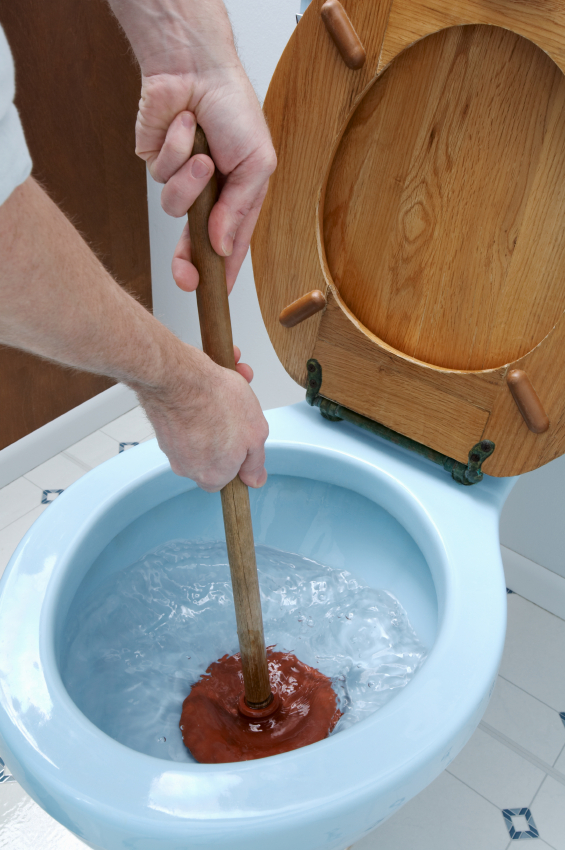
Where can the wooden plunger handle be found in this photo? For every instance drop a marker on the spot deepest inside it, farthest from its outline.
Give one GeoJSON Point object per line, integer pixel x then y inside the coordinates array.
{"type": "Point", "coordinates": [217, 342]}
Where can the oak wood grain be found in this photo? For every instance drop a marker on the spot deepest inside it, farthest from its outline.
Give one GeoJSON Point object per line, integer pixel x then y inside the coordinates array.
{"type": "Point", "coordinates": [516, 118]}
{"type": "Point", "coordinates": [540, 21]}
{"type": "Point", "coordinates": [366, 379]}
{"type": "Point", "coordinates": [446, 200]}
{"type": "Point", "coordinates": [517, 448]}
{"type": "Point", "coordinates": [305, 130]}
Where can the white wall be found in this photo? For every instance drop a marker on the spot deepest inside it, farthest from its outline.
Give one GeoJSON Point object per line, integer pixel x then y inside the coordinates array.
{"type": "Point", "coordinates": [262, 29]}
{"type": "Point", "coordinates": [533, 518]}
{"type": "Point", "coordinates": [532, 522]}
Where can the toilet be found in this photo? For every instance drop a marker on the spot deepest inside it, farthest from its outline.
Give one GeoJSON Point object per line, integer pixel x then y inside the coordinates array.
{"type": "Point", "coordinates": [409, 278]}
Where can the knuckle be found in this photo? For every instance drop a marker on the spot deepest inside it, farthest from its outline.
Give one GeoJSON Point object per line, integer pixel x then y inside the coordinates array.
{"type": "Point", "coordinates": [167, 164]}
{"type": "Point", "coordinates": [209, 482]}
{"type": "Point", "coordinates": [172, 199]}
{"type": "Point", "coordinates": [270, 161]}
{"type": "Point", "coordinates": [255, 461]}
{"type": "Point", "coordinates": [208, 488]}
{"type": "Point", "coordinates": [176, 147]}
{"type": "Point", "coordinates": [204, 483]}
{"type": "Point", "coordinates": [143, 154]}
{"type": "Point", "coordinates": [154, 166]}
{"type": "Point", "coordinates": [157, 172]}
{"type": "Point", "coordinates": [262, 434]}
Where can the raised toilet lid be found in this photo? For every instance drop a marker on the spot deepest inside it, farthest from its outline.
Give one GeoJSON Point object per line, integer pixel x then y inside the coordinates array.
{"type": "Point", "coordinates": [423, 192]}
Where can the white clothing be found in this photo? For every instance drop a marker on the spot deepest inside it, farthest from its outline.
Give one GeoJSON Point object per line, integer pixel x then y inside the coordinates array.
{"type": "Point", "coordinates": [15, 161]}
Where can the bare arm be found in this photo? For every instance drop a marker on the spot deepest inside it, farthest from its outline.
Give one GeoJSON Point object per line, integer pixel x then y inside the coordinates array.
{"type": "Point", "coordinates": [191, 72]}
{"type": "Point", "coordinates": [58, 301]}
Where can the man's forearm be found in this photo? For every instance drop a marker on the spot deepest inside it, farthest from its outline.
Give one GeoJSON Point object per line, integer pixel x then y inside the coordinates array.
{"type": "Point", "coordinates": [57, 300]}
{"type": "Point", "coordinates": [70, 309]}
{"type": "Point", "coordinates": [177, 36]}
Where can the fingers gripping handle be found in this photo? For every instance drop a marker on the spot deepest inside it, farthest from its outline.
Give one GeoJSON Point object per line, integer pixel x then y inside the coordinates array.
{"type": "Point", "coordinates": [217, 342]}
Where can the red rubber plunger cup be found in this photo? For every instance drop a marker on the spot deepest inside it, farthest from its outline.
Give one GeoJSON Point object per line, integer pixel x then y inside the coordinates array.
{"type": "Point", "coordinates": [216, 728]}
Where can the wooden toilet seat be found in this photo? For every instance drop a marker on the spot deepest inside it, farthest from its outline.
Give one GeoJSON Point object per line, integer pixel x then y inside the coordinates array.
{"type": "Point", "coordinates": [424, 194]}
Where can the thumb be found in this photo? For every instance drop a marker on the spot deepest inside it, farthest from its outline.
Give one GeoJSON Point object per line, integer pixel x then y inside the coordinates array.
{"type": "Point", "coordinates": [253, 472]}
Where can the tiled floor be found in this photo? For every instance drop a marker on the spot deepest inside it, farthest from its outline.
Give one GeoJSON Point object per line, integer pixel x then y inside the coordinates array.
{"type": "Point", "coordinates": [507, 785]}
{"type": "Point", "coordinates": [23, 500]}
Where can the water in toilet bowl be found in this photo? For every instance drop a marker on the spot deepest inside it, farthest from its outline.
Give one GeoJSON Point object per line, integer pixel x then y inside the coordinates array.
{"type": "Point", "coordinates": [134, 650]}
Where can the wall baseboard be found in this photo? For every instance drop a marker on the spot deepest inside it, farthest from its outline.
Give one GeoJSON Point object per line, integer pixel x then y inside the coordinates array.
{"type": "Point", "coordinates": [50, 439]}
{"type": "Point", "coordinates": [534, 582]}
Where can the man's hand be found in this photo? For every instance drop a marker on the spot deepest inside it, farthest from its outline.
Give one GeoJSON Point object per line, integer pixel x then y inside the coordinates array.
{"type": "Point", "coordinates": [240, 146]}
{"type": "Point", "coordinates": [59, 302]}
{"type": "Point", "coordinates": [212, 434]}
{"type": "Point", "coordinates": [191, 73]}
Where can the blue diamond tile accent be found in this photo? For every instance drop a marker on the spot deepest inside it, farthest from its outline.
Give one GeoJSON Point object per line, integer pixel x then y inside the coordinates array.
{"type": "Point", "coordinates": [520, 834]}
{"type": "Point", "coordinates": [5, 775]}
{"type": "Point", "coordinates": [50, 496]}
{"type": "Point", "coordinates": [562, 716]}
{"type": "Point", "coordinates": [123, 446]}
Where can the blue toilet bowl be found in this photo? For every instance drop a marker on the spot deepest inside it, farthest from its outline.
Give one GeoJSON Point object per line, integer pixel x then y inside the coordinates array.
{"type": "Point", "coordinates": [335, 494]}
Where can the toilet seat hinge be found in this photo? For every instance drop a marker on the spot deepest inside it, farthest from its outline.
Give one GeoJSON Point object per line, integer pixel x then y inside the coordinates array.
{"type": "Point", "coordinates": [467, 474]}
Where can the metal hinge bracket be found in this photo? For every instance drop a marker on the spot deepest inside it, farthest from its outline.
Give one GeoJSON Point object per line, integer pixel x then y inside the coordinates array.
{"type": "Point", "coordinates": [468, 474]}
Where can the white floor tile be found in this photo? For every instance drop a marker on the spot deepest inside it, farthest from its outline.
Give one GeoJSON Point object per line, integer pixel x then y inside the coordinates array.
{"type": "Point", "coordinates": [499, 774]}
{"type": "Point", "coordinates": [445, 816]}
{"type": "Point", "coordinates": [17, 499]}
{"type": "Point", "coordinates": [24, 826]}
{"type": "Point", "coordinates": [132, 427]}
{"type": "Point", "coordinates": [534, 582]}
{"type": "Point", "coordinates": [13, 533]}
{"type": "Point", "coordinates": [94, 449]}
{"type": "Point", "coordinates": [534, 652]}
{"type": "Point", "coordinates": [526, 720]}
{"type": "Point", "coordinates": [58, 473]}
{"type": "Point", "coordinates": [548, 810]}
{"type": "Point", "coordinates": [560, 763]}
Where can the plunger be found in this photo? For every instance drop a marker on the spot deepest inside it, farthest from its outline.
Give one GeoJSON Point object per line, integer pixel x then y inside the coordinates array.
{"type": "Point", "coordinates": [289, 704]}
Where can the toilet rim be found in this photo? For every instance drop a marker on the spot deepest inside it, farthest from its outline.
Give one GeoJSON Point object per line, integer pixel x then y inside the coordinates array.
{"type": "Point", "coordinates": [378, 753]}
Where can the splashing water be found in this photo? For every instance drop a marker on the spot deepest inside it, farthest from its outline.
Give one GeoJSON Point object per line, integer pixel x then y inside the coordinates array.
{"type": "Point", "coordinates": [148, 633]}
